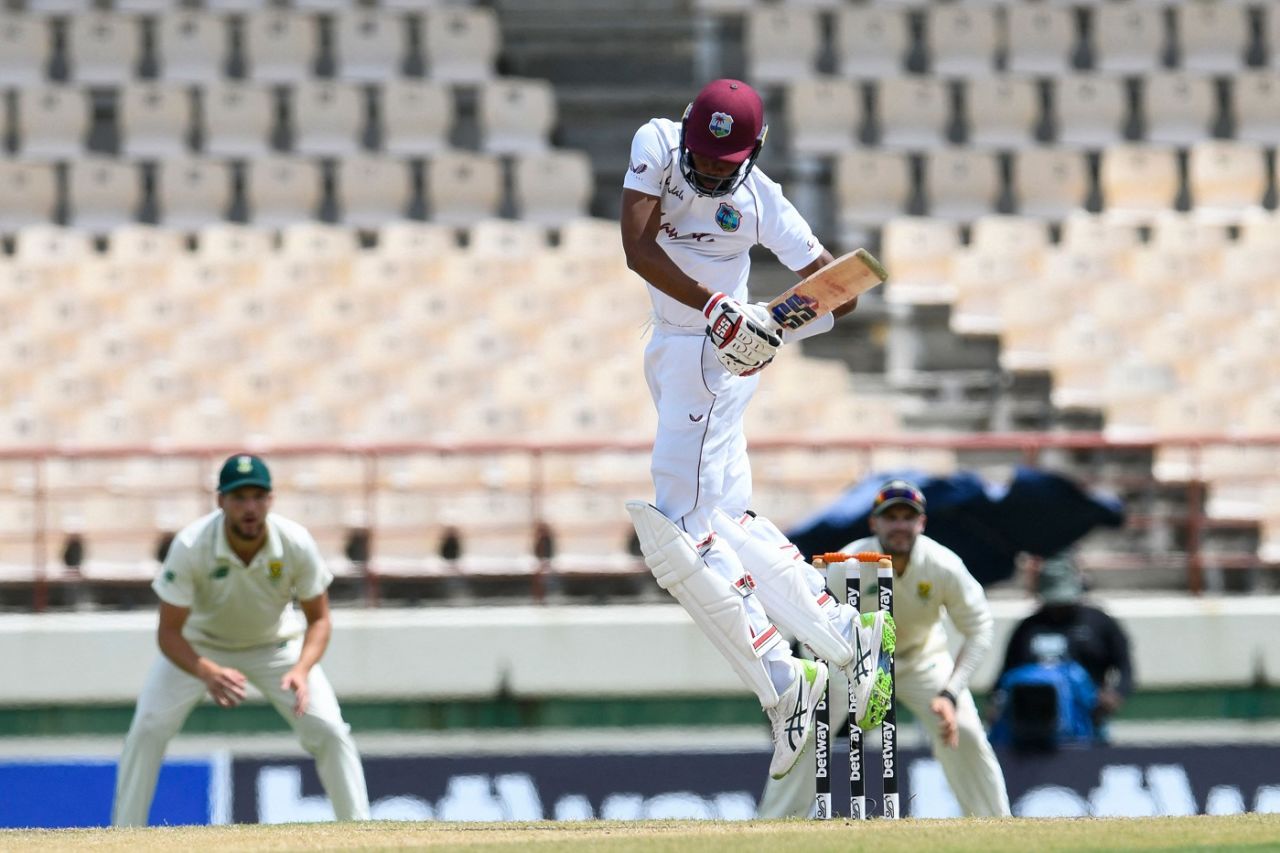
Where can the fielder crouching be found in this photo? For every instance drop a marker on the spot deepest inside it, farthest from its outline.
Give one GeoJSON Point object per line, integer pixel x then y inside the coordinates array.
{"type": "Point", "coordinates": [226, 620]}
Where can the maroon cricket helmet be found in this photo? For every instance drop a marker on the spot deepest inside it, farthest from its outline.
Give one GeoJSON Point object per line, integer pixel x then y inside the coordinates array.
{"type": "Point", "coordinates": [725, 122]}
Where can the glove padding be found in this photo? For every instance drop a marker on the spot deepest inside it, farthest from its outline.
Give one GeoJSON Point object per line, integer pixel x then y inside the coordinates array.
{"type": "Point", "coordinates": [746, 338]}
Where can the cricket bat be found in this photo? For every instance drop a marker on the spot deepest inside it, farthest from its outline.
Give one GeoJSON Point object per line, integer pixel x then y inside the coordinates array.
{"type": "Point", "coordinates": [849, 275]}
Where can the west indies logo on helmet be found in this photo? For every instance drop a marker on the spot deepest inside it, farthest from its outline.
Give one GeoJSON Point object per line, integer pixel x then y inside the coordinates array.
{"type": "Point", "coordinates": [724, 123]}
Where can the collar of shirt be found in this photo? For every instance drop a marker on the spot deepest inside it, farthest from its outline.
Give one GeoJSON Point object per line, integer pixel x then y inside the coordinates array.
{"type": "Point", "coordinates": [272, 549]}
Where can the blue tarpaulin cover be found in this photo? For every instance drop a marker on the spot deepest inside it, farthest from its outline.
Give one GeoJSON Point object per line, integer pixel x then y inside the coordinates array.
{"type": "Point", "coordinates": [988, 524]}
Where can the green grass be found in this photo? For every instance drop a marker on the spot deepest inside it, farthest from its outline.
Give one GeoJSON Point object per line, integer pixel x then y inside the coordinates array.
{"type": "Point", "coordinates": [1234, 832]}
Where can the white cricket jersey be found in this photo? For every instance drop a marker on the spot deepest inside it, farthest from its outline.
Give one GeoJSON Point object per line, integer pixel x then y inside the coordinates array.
{"type": "Point", "coordinates": [935, 580]}
{"type": "Point", "coordinates": [235, 606]}
{"type": "Point", "coordinates": [710, 238]}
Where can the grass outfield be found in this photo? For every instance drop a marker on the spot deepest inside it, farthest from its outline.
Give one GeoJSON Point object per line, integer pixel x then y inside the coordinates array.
{"type": "Point", "coordinates": [1234, 832]}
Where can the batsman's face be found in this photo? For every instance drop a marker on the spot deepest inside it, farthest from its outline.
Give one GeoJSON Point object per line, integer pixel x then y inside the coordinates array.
{"type": "Point", "coordinates": [246, 511]}
{"type": "Point", "coordinates": [897, 528]}
{"type": "Point", "coordinates": [713, 170]}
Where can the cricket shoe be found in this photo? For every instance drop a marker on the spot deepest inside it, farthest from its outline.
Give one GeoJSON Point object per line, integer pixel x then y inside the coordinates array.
{"type": "Point", "coordinates": [793, 716]}
{"type": "Point", "coordinates": [875, 640]}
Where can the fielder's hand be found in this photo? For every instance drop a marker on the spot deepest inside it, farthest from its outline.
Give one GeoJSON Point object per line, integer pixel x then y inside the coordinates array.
{"type": "Point", "coordinates": [226, 685]}
{"type": "Point", "coordinates": [948, 729]}
{"type": "Point", "coordinates": [746, 338]}
{"type": "Point", "coordinates": [296, 680]}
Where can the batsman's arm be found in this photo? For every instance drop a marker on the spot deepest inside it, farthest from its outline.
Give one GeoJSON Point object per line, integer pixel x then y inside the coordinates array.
{"type": "Point", "coordinates": [641, 217]}
{"type": "Point", "coordinates": [226, 685]}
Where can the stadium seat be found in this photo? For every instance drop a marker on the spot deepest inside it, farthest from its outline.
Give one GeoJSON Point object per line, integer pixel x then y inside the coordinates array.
{"type": "Point", "coordinates": [871, 41]}
{"type": "Point", "coordinates": [823, 115]}
{"type": "Point", "coordinates": [373, 190]}
{"type": "Point", "coordinates": [1089, 110]}
{"type": "Point", "coordinates": [516, 116]}
{"type": "Point", "coordinates": [463, 187]}
{"type": "Point", "coordinates": [155, 120]}
{"type": "Point", "coordinates": [962, 38]}
{"type": "Point", "coordinates": [1041, 38]}
{"type": "Point", "coordinates": [30, 191]}
{"type": "Point", "coordinates": [1094, 233]}
{"type": "Point", "coordinates": [369, 45]}
{"type": "Point", "coordinates": [191, 46]}
{"type": "Point", "coordinates": [871, 186]}
{"type": "Point", "coordinates": [1180, 108]}
{"type": "Point", "coordinates": [1049, 183]}
{"type": "Point", "coordinates": [460, 43]}
{"type": "Point", "coordinates": [1255, 98]}
{"type": "Point", "coordinates": [1020, 236]}
{"type": "Point", "coordinates": [103, 49]}
{"type": "Point", "coordinates": [1134, 388]}
{"type": "Point", "coordinates": [1081, 350]}
{"type": "Point", "coordinates": [140, 245]}
{"type": "Point", "coordinates": [416, 117]}
{"type": "Point", "coordinates": [1128, 38]}
{"type": "Point", "coordinates": [1226, 178]}
{"type": "Point", "coordinates": [102, 193]}
{"type": "Point", "coordinates": [51, 122]}
{"type": "Point", "coordinates": [1174, 232]}
{"type": "Point", "coordinates": [51, 245]}
{"type": "Point", "coordinates": [26, 45]}
{"type": "Point", "coordinates": [282, 190]}
{"type": "Point", "coordinates": [913, 112]}
{"type": "Point", "coordinates": [980, 277]}
{"type": "Point", "coordinates": [961, 184]}
{"type": "Point", "coordinates": [1028, 314]}
{"type": "Point", "coordinates": [404, 238]}
{"type": "Point", "coordinates": [1138, 181]}
{"type": "Point", "coordinates": [191, 193]}
{"type": "Point", "coordinates": [279, 45]}
{"type": "Point", "coordinates": [919, 250]}
{"type": "Point", "coordinates": [317, 242]}
{"type": "Point", "coordinates": [553, 187]}
{"type": "Point", "coordinates": [1001, 112]}
{"type": "Point", "coordinates": [1212, 37]}
{"type": "Point", "coordinates": [327, 118]}
{"type": "Point", "coordinates": [781, 44]}
{"type": "Point", "coordinates": [236, 119]}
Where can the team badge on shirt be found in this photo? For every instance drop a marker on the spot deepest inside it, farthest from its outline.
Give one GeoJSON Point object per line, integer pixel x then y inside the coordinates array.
{"type": "Point", "coordinates": [923, 590]}
{"type": "Point", "coordinates": [276, 568]}
{"type": "Point", "coordinates": [728, 217]}
{"type": "Point", "coordinates": [721, 125]}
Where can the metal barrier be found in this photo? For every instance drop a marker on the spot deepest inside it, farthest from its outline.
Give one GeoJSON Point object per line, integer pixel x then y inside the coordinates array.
{"type": "Point", "coordinates": [534, 475]}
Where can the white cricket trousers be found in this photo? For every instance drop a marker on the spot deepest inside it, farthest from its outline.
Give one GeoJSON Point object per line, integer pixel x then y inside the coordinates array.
{"type": "Point", "coordinates": [170, 694]}
{"type": "Point", "coordinates": [972, 771]}
{"type": "Point", "coordinates": [700, 453]}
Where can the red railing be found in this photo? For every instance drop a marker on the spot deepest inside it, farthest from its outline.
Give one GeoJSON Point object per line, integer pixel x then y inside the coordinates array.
{"type": "Point", "coordinates": [1027, 448]}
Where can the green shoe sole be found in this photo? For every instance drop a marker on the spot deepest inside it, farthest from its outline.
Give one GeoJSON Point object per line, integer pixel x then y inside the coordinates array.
{"type": "Point", "coordinates": [881, 696]}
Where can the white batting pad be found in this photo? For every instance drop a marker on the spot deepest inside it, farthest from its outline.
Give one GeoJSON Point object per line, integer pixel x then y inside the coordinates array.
{"type": "Point", "coordinates": [714, 603]}
{"type": "Point", "coordinates": [782, 583]}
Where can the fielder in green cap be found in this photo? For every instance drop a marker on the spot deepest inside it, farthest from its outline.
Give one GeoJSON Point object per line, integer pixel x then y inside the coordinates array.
{"type": "Point", "coordinates": [227, 620]}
